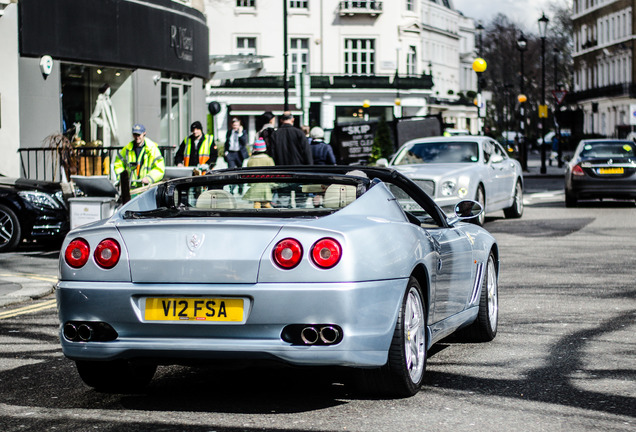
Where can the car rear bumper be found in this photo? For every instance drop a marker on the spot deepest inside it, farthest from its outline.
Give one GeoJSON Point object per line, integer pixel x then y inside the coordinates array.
{"type": "Point", "coordinates": [623, 189]}
{"type": "Point", "coordinates": [365, 311]}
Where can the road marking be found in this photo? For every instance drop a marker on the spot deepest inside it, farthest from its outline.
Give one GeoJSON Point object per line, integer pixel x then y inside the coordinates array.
{"type": "Point", "coordinates": [30, 276]}
{"type": "Point", "coordinates": [29, 309]}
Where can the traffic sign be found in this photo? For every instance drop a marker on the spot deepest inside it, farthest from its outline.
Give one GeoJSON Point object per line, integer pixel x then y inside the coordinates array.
{"type": "Point", "coordinates": [543, 111]}
{"type": "Point", "coordinates": [559, 96]}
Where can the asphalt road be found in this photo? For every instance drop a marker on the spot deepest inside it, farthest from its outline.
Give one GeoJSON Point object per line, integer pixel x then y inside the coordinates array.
{"type": "Point", "coordinates": [563, 358]}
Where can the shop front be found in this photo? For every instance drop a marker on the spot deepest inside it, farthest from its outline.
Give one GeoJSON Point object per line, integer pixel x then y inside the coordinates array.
{"type": "Point", "coordinates": [89, 70]}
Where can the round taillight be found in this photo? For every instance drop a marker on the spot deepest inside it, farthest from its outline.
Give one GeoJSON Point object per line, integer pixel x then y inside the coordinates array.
{"type": "Point", "coordinates": [326, 253]}
{"type": "Point", "coordinates": [107, 253]}
{"type": "Point", "coordinates": [77, 253]}
{"type": "Point", "coordinates": [287, 253]}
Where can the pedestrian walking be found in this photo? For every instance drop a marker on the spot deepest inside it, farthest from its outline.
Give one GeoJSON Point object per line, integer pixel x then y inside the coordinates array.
{"type": "Point", "coordinates": [321, 152]}
{"type": "Point", "coordinates": [290, 144]}
{"type": "Point", "coordinates": [235, 145]}
{"type": "Point", "coordinates": [260, 193]}
{"type": "Point", "coordinates": [268, 129]}
{"type": "Point", "coordinates": [197, 149]}
{"type": "Point", "coordinates": [141, 158]}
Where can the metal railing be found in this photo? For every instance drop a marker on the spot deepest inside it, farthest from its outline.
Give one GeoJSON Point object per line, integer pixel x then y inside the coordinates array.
{"type": "Point", "coordinates": [360, 6]}
{"type": "Point", "coordinates": [43, 163]}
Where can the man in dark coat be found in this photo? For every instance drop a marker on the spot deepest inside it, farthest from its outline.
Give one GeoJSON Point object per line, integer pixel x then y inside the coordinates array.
{"type": "Point", "coordinates": [235, 145]}
{"type": "Point", "coordinates": [290, 144]}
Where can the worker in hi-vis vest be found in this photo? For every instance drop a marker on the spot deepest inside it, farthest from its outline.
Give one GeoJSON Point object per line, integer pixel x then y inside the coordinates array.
{"type": "Point", "coordinates": [197, 149]}
{"type": "Point", "coordinates": [141, 158]}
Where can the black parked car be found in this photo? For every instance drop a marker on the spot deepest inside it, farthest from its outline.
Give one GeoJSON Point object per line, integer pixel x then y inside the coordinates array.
{"type": "Point", "coordinates": [31, 209]}
{"type": "Point", "coordinates": [601, 168]}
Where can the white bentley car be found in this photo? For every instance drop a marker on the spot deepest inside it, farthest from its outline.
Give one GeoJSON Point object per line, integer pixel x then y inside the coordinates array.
{"type": "Point", "coordinates": [450, 169]}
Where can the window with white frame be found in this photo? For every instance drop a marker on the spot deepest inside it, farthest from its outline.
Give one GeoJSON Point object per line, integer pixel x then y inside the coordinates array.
{"type": "Point", "coordinates": [299, 4]}
{"type": "Point", "coordinates": [359, 56]}
{"type": "Point", "coordinates": [246, 3]}
{"type": "Point", "coordinates": [411, 61]}
{"type": "Point", "coordinates": [246, 45]}
{"type": "Point", "coordinates": [299, 55]}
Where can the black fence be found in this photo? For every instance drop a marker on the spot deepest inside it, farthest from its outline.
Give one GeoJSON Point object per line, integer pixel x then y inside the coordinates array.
{"type": "Point", "coordinates": [43, 163]}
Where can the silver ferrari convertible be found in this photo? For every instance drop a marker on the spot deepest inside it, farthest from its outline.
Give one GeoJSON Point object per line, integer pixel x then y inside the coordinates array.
{"type": "Point", "coordinates": [308, 266]}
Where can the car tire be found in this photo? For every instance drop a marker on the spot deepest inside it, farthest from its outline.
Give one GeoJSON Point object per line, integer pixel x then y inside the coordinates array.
{"type": "Point", "coordinates": [570, 200]}
{"type": "Point", "coordinates": [480, 197]}
{"type": "Point", "coordinates": [118, 376]}
{"type": "Point", "coordinates": [516, 210]}
{"type": "Point", "coordinates": [10, 230]}
{"type": "Point", "coordinates": [484, 328]}
{"type": "Point", "coordinates": [403, 374]}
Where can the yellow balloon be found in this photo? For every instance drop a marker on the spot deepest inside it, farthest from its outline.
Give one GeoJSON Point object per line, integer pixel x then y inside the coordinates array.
{"type": "Point", "coordinates": [479, 65]}
{"type": "Point", "coordinates": [522, 98]}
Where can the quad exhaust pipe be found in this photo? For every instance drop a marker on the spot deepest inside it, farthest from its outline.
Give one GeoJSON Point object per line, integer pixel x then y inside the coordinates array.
{"type": "Point", "coordinates": [88, 331]}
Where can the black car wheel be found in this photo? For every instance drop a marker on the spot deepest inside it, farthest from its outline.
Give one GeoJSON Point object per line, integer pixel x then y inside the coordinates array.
{"type": "Point", "coordinates": [516, 210]}
{"type": "Point", "coordinates": [570, 200]}
{"type": "Point", "coordinates": [10, 230]}
{"type": "Point", "coordinates": [484, 329]}
{"type": "Point", "coordinates": [403, 374]}
{"type": "Point", "coordinates": [117, 376]}
{"type": "Point", "coordinates": [480, 197]}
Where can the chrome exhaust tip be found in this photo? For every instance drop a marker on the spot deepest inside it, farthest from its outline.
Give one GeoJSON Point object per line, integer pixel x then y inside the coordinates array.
{"type": "Point", "coordinates": [309, 335]}
{"type": "Point", "coordinates": [70, 331]}
{"type": "Point", "coordinates": [329, 334]}
{"type": "Point", "coordinates": [85, 332]}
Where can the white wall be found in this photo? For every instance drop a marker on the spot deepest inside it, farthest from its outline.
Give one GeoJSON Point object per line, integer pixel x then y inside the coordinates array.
{"type": "Point", "coordinates": [9, 100]}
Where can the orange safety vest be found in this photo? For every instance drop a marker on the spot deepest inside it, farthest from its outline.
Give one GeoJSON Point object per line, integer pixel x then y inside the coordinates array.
{"type": "Point", "coordinates": [204, 150]}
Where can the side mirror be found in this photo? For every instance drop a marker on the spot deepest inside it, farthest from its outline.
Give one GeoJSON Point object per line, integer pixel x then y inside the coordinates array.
{"type": "Point", "coordinates": [465, 210]}
{"type": "Point", "coordinates": [382, 162]}
{"type": "Point", "coordinates": [496, 159]}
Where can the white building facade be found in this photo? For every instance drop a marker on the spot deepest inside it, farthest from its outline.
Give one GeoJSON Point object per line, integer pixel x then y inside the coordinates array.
{"type": "Point", "coordinates": [604, 65]}
{"type": "Point", "coordinates": [364, 59]}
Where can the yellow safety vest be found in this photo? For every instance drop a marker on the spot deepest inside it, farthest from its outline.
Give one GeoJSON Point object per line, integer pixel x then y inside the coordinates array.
{"type": "Point", "coordinates": [150, 164]}
{"type": "Point", "coordinates": [204, 150]}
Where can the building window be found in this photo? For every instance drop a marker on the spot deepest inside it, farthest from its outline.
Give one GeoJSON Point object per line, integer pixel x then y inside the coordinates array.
{"type": "Point", "coordinates": [411, 61]}
{"type": "Point", "coordinates": [246, 45]}
{"type": "Point", "coordinates": [246, 3]}
{"type": "Point", "coordinates": [359, 56]}
{"type": "Point", "coordinates": [299, 55]}
{"type": "Point", "coordinates": [299, 4]}
{"type": "Point", "coordinates": [410, 6]}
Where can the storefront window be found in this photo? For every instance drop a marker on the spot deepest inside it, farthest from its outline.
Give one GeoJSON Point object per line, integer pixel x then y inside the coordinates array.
{"type": "Point", "coordinates": [96, 104]}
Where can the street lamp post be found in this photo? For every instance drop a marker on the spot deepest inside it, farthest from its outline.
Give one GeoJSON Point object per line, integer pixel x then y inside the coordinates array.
{"type": "Point", "coordinates": [285, 58]}
{"type": "Point", "coordinates": [479, 66]}
{"type": "Point", "coordinates": [522, 46]}
{"type": "Point", "coordinates": [556, 105]}
{"type": "Point", "coordinates": [543, 26]}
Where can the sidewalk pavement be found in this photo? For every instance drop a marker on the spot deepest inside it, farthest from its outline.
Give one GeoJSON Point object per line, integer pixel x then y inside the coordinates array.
{"type": "Point", "coordinates": [17, 287]}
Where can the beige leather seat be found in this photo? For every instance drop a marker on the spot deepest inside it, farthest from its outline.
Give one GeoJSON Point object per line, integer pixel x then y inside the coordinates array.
{"type": "Point", "coordinates": [338, 196]}
{"type": "Point", "coordinates": [216, 199]}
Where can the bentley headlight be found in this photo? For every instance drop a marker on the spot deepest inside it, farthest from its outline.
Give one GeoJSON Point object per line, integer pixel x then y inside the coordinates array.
{"type": "Point", "coordinates": [40, 199]}
{"type": "Point", "coordinates": [448, 188]}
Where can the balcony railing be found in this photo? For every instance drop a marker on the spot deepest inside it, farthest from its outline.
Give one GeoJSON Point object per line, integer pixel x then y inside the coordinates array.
{"type": "Point", "coordinates": [423, 82]}
{"type": "Point", "coordinates": [351, 8]}
{"type": "Point", "coordinates": [615, 90]}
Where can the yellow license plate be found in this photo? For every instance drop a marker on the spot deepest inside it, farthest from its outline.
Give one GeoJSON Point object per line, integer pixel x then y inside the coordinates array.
{"type": "Point", "coordinates": [617, 170]}
{"type": "Point", "coordinates": [194, 309]}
